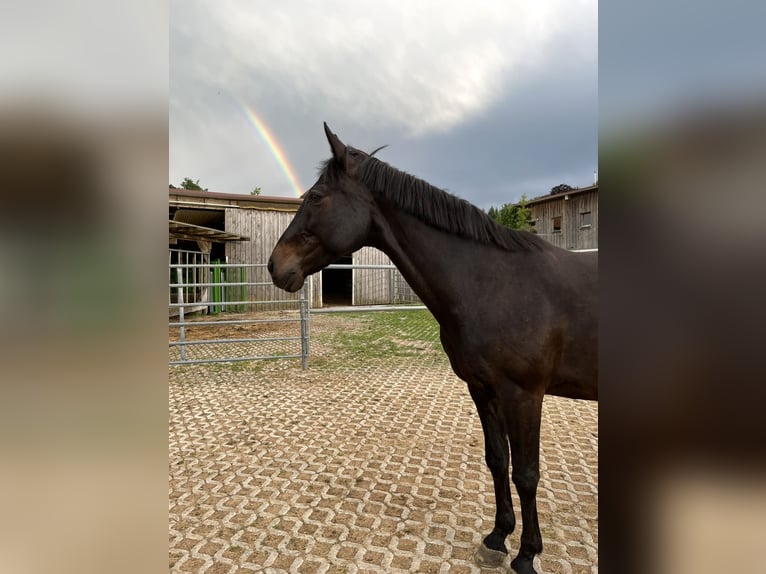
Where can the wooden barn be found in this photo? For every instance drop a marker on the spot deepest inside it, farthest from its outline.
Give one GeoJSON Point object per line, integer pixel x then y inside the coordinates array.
{"type": "Point", "coordinates": [210, 227]}
{"type": "Point", "coordinates": [568, 219]}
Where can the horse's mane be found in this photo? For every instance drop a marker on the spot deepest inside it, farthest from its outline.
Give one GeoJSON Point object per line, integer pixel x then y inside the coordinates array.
{"type": "Point", "coordinates": [436, 207]}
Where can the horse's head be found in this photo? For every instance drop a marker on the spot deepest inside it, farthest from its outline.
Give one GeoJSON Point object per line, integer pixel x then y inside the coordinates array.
{"type": "Point", "coordinates": [334, 220]}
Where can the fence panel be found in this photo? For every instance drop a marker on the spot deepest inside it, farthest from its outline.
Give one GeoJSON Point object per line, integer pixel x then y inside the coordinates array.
{"type": "Point", "coordinates": [191, 265]}
{"type": "Point", "coordinates": [215, 321]}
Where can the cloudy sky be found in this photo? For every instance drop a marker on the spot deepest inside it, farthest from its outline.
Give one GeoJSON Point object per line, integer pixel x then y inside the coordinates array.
{"type": "Point", "coordinates": [488, 100]}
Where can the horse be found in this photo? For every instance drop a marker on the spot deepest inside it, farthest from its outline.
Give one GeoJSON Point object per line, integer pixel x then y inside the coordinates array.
{"type": "Point", "coordinates": [517, 315]}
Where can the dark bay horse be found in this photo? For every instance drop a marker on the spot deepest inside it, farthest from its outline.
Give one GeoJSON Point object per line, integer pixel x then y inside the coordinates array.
{"type": "Point", "coordinates": [517, 315]}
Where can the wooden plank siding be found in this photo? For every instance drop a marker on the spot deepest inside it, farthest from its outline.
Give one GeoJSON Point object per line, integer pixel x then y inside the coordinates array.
{"type": "Point", "coordinates": [573, 235]}
{"type": "Point", "coordinates": [264, 228]}
{"type": "Point", "coordinates": [379, 287]}
{"type": "Point", "coordinates": [371, 286]}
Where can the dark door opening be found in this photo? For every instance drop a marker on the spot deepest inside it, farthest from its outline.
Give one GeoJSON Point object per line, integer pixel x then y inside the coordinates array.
{"type": "Point", "coordinates": [337, 284]}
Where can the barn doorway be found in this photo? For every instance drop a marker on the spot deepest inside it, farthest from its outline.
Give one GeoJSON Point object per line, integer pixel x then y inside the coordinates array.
{"type": "Point", "coordinates": [337, 284]}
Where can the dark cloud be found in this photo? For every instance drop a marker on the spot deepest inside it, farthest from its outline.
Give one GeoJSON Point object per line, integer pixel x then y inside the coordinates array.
{"type": "Point", "coordinates": [489, 103]}
{"type": "Point", "coordinates": [538, 137]}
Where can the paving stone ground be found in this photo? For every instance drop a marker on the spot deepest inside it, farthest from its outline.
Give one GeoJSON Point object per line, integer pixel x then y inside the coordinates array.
{"type": "Point", "coordinates": [358, 465]}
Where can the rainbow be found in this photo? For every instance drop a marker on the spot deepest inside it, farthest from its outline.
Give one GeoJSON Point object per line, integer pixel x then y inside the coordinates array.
{"type": "Point", "coordinates": [274, 147]}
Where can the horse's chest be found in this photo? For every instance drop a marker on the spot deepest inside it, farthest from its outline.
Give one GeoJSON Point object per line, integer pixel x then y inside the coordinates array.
{"type": "Point", "coordinates": [485, 357]}
{"type": "Point", "coordinates": [465, 355]}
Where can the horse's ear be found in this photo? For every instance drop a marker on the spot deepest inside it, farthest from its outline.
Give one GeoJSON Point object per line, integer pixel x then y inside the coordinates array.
{"type": "Point", "coordinates": [338, 147]}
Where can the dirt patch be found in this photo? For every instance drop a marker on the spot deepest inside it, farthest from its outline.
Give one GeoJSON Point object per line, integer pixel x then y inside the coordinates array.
{"type": "Point", "coordinates": [279, 324]}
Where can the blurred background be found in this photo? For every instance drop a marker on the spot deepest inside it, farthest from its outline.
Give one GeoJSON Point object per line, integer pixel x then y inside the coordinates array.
{"type": "Point", "coordinates": [83, 393]}
{"type": "Point", "coordinates": [83, 164]}
{"type": "Point", "coordinates": [682, 142]}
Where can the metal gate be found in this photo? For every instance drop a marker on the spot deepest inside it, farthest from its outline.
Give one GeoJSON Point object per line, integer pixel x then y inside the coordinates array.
{"type": "Point", "coordinates": [227, 312]}
{"type": "Point", "coordinates": [211, 304]}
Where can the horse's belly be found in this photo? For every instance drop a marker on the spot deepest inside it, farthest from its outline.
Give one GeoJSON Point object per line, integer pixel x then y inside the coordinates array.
{"type": "Point", "coordinates": [587, 390]}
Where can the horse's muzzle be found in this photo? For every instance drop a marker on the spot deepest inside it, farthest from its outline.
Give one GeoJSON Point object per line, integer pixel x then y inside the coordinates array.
{"type": "Point", "coordinates": [290, 282]}
{"type": "Point", "coordinates": [285, 278]}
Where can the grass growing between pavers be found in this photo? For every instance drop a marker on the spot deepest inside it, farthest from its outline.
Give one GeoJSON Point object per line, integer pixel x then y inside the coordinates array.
{"type": "Point", "coordinates": [378, 336]}
{"type": "Point", "coordinates": [340, 340]}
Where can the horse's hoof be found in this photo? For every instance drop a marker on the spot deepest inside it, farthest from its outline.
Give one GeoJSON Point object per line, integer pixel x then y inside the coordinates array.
{"type": "Point", "coordinates": [522, 566]}
{"type": "Point", "coordinates": [488, 558]}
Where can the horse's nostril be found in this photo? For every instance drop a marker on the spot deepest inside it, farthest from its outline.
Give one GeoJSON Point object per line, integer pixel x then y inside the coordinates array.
{"type": "Point", "coordinates": [270, 265]}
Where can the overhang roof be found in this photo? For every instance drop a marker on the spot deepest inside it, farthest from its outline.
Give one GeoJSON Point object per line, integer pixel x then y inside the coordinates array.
{"type": "Point", "coordinates": [181, 230]}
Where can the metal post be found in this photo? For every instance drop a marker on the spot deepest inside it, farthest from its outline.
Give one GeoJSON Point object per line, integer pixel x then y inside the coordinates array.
{"type": "Point", "coordinates": [305, 317]}
{"type": "Point", "coordinates": [391, 287]}
{"type": "Point", "coordinates": [224, 307]}
{"type": "Point", "coordinates": [170, 276]}
{"type": "Point", "coordinates": [181, 329]}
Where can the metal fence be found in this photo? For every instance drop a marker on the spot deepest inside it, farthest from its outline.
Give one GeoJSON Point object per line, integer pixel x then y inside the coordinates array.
{"type": "Point", "coordinates": [215, 321]}
{"type": "Point", "coordinates": [403, 293]}
{"type": "Point", "coordinates": [195, 271]}
{"type": "Point", "coordinates": [215, 318]}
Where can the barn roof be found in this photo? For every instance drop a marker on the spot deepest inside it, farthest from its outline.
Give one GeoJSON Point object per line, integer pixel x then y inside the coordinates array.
{"type": "Point", "coordinates": [215, 200]}
{"type": "Point", "coordinates": [550, 197]}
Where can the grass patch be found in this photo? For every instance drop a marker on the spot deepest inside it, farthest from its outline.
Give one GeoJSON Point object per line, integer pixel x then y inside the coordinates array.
{"type": "Point", "coordinates": [384, 335]}
{"type": "Point", "coordinates": [358, 338]}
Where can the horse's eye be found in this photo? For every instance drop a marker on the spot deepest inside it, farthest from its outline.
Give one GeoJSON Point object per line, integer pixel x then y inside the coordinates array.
{"type": "Point", "coordinates": [314, 196]}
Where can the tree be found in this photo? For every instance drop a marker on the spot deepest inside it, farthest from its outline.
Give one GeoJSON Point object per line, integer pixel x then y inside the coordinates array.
{"type": "Point", "coordinates": [513, 215]}
{"type": "Point", "coordinates": [256, 191]}
{"type": "Point", "coordinates": [188, 183]}
{"type": "Point", "coordinates": [561, 188]}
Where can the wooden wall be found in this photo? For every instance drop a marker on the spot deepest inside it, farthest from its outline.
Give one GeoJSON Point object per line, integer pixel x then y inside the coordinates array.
{"type": "Point", "coordinates": [379, 287]}
{"type": "Point", "coordinates": [572, 235]}
{"type": "Point", "coordinates": [371, 286]}
{"type": "Point", "coordinates": [264, 228]}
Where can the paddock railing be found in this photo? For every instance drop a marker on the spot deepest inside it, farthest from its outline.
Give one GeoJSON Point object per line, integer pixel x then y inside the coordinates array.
{"type": "Point", "coordinates": [215, 318]}
{"type": "Point", "coordinates": [228, 312]}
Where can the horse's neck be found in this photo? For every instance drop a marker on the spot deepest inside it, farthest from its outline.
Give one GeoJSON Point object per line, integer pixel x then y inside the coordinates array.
{"type": "Point", "coordinates": [422, 255]}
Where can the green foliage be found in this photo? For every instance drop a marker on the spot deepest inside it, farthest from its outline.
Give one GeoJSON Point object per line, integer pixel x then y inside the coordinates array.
{"type": "Point", "coordinates": [188, 183]}
{"type": "Point", "coordinates": [513, 215]}
{"type": "Point", "coordinates": [256, 191]}
{"type": "Point", "coordinates": [561, 188]}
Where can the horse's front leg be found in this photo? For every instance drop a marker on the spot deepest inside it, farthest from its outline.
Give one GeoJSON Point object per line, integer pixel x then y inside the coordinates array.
{"type": "Point", "coordinates": [523, 413]}
{"type": "Point", "coordinates": [492, 552]}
